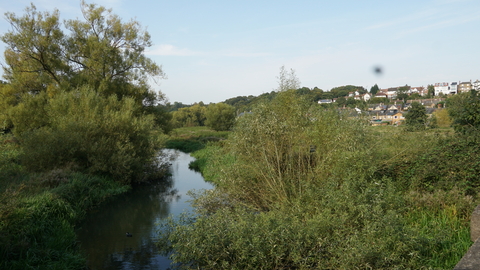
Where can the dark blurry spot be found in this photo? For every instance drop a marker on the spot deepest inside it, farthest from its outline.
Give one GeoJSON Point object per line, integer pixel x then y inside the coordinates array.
{"type": "Point", "coordinates": [378, 70]}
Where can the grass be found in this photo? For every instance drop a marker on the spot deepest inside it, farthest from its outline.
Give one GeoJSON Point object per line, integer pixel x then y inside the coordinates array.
{"type": "Point", "coordinates": [191, 139]}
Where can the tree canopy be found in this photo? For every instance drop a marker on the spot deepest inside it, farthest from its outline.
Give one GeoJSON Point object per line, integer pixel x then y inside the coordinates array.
{"type": "Point", "coordinates": [416, 117]}
{"type": "Point", "coordinates": [220, 116]}
{"type": "Point", "coordinates": [464, 109]}
{"type": "Point", "coordinates": [76, 93]}
{"type": "Point", "coordinates": [101, 51]}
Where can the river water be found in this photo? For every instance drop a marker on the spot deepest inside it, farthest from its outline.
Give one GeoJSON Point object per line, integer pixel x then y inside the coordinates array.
{"type": "Point", "coordinates": [102, 235]}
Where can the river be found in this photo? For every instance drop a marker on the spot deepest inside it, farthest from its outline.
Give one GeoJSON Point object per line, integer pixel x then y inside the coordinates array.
{"type": "Point", "coordinates": [102, 235]}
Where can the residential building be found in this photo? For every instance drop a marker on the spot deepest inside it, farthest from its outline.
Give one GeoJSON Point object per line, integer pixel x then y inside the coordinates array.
{"type": "Point", "coordinates": [325, 101]}
{"type": "Point", "coordinates": [446, 88]}
{"type": "Point", "coordinates": [465, 87]}
{"type": "Point", "coordinates": [476, 85]}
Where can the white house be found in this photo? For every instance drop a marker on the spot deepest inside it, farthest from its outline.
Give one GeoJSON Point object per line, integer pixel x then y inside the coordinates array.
{"type": "Point", "coordinates": [476, 85]}
{"type": "Point", "coordinates": [446, 88]}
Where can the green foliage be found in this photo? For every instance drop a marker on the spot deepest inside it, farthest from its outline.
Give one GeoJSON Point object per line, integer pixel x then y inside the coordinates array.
{"type": "Point", "coordinates": [287, 80]}
{"type": "Point", "coordinates": [86, 131]}
{"type": "Point", "coordinates": [101, 51]}
{"type": "Point", "coordinates": [443, 118]}
{"type": "Point", "coordinates": [452, 163]}
{"type": "Point", "coordinates": [207, 159]}
{"type": "Point", "coordinates": [346, 205]}
{"type": "Point", "coordinates": [374, 89]}
{"type": "Point", "coordinates": [416, 117]}
{"type": "Point", "coordinates": [342, 91]}
{"type": "Point", "coordinates": [37, 229]}
{"type": "Point", "coordinates": [192, 116]}
{"type": "Point", "coordinates": [464, 109]}
{"type": "Point", "coordinates": [193, 138]}
{"type": "Point", "coordinates": [220, 116]}
{"type": "Point", "coordinates": [402, 93]}
{"type": "Point", "coordinates": [272, 149]}
{"type": "Point", "coordinates": [431, 90]}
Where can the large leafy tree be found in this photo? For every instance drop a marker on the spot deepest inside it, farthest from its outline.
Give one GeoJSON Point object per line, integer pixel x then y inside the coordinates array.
{"type": "Point", "coordinates": [190, 116]}
{"type": "Point", "coordinates": [76, 93]}
{"type": "Point", "coordinates": [464, 109]}
{"type": "Point", "coordinates": [100, 51]}
{"type": "Point", "coordinates": [220, 116]}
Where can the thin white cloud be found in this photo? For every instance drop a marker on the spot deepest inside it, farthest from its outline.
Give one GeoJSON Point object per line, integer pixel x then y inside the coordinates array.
{"type": "Point", "coordinates": [170, 50]}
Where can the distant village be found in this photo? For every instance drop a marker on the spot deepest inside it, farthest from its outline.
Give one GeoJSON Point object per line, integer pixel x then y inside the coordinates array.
{"type": "Point", "coordinates": [394, 114]}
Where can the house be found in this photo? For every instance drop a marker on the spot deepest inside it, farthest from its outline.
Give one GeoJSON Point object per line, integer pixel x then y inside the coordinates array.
{"type": "Point", "coordinates": [476, 85]}
{"type": "Point", "coordinates": [441, 88]}
{"type": "Point", "coordinates": [465, 87]}
{"type": "Point", "coordinates": [389, 117]}
{"type": "Point", "coordinates": [428, 103]}
{"type": "Point", "coordinates": [392, 92]}
{"type": "Point", "coordinates": [325, 101]}
{"type": "Point", "coordinates": [446, 88]}
{"type": "Point", "coordinates": [380, 107]}
{"type": "Point", "coordinates": [422, 91]}
{"type": "Point", "coordinates": [367, 96]}
{"type": "Point", "coordinates": [381, 95]}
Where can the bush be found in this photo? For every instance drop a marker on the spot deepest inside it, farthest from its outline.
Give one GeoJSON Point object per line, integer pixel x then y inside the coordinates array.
{"type": "Point", "coordinates": [464, 109]}
{"type": "Point", "coordinates": [220, 116]}
{"type": "Point", "coordinates": [37, 230]}
{"type": "Point", "coordinates": [300, 188]}
{"type": "Point", "coordinates": [92, 133]}
{"type": "Point", "coordinates": [286, 147]}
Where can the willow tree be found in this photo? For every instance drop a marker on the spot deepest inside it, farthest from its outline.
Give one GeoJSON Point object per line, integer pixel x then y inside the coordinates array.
{"type": "Point", "coordinates": [100, 51]}
{"type": "Point", "coordinates": [77, 93]}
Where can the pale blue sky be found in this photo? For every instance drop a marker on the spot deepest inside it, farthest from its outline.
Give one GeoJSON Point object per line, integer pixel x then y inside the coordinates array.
{"type": "Point", "coordinates": [214, 50]}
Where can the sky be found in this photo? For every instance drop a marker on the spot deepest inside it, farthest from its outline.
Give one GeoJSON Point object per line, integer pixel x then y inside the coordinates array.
{"type": "Point", "coordinates": [213, 50]}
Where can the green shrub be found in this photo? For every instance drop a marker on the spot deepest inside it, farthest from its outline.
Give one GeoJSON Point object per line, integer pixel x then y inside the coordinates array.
{"type": "Point", "coordinates": [286, 147]}
{"type": "Point", "coordinates": [220, 116]}
{"type": "Point", "coordinates": [301, 188]}
{"type": "Point", "coordinates": [37, 230]}
{"type": "Point", "coordinates": [96, 134]}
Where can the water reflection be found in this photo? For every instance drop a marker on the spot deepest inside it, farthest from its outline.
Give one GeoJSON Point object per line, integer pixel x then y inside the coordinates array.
{"type": "Point", "coordinates": [102, 234]}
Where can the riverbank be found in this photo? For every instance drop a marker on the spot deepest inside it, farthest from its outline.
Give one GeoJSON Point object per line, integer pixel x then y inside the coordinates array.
{"type": "Point", "coordinates": [39, 212]}
{"type": "Point", "coordinates": [361, 197]}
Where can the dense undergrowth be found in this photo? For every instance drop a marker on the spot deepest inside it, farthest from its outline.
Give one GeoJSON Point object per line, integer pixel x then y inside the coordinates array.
{"type": "Point", "coordinates": [298, 188]}
{"type": "Point", "coordinates": [38, 213]}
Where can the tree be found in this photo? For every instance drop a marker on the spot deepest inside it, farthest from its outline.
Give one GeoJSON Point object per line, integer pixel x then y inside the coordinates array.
{"type": "Point", "coordinates": [101, 51]}
{"type": "Point", "coordinates": [343, 91]}
{"type": "Point", "coordinates": [374, 89]}
{"type": "Point", "coordinates": [464, 109]}
{"type": "Point", "coordinates": [287, 80]}
{"type": "Point", "coordinates": [190, 116]}
{"type": "Point", "coordinates": [431, 90]}
{"type": "Point", "coordinates": [402, 92]}
{"type": "Point", "coordinates": [77, 93]}
{"type": "Point", "coordinates": [416, 117]}
{"type": "Point", "coordinates": [83, 130]}
{"type": "Point", "coordinates": [220, 116]}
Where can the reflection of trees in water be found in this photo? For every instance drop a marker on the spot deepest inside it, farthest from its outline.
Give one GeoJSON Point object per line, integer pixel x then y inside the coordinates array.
{"type": "Point", "coordinates": [135, 259]}
{"type": "Point", "coordinates": [136, 212]}
{"type": "Point", "coordinates": [102, 236]}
